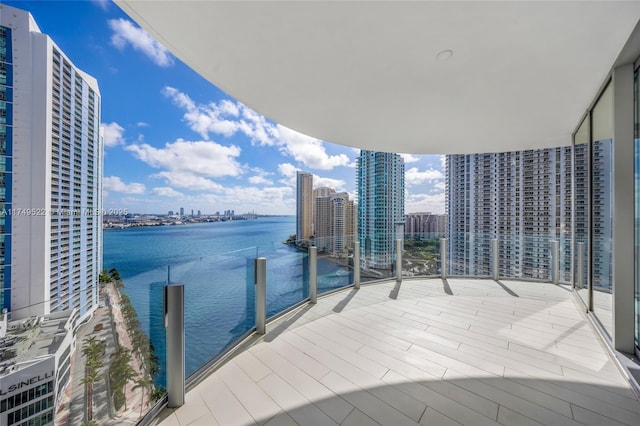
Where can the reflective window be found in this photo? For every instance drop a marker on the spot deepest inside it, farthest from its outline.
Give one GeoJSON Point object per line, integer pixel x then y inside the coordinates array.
{"type": "Point", "coordinates": [581, 220]}
{"type": "Point", "coordinates": [636, 119]}
{"type": "Point", "coordinates": [602, 208]}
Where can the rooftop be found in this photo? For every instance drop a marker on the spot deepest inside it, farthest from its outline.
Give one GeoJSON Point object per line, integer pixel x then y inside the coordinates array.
{"type": "Point", "coordinates": [29, 340]}
{"type": "Point", "coordinates": [424, 351]}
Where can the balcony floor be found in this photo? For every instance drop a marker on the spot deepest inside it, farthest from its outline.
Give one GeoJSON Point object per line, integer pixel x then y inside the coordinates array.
{"type": "Point", "coordinates": [471, 352]}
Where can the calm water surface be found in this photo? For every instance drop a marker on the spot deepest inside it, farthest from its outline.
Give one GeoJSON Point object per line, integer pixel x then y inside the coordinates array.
{"type": "Point", "coordinates": [215, 262]}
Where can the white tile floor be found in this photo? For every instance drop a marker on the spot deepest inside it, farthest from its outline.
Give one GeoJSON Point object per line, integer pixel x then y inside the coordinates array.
{"type": "Point", "coordinates": [510, 353]}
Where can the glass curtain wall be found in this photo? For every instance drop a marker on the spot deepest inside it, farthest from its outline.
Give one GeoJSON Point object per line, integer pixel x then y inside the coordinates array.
{"type": "Point", "coordinates": [581, 216]}
{"type": "Point", "coordinates": [602, 208]}
{"type": "Point", "coordinates": [636, 125]}
{"type": "Point", "coordinates": [593, 221]}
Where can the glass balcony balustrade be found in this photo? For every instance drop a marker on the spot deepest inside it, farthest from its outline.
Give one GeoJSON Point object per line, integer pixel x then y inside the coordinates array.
{"type": "Point", "coordinates": [220, 298]}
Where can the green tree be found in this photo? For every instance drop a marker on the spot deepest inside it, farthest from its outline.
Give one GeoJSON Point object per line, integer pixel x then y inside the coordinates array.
{"type": "Point", "coordinates": [120, 372]}
{"type": "Point", "coordinates": [104, 277]}
{"type": "Point", "coordinates": [92, 349]}
{"type": "Point", "coordinates": [158, 393]}
{"type": "Point", "coordinates": [146, 385]}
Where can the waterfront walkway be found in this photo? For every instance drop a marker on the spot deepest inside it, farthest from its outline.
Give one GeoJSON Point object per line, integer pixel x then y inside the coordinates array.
{"type": "Point", "coordinates": [428, 351]}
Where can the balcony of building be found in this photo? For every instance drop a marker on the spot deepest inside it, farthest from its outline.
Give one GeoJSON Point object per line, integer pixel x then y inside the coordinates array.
{"type": "Point", "coordinates": [438, 78]}
{"type": "Point", "coordinates": [403, 345]}
{"type": "Point", "coordinates": [421, 351]}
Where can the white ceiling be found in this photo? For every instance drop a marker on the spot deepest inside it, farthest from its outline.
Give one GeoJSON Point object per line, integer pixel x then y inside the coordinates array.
{"type": "Point", "coordinates": [366, 74]}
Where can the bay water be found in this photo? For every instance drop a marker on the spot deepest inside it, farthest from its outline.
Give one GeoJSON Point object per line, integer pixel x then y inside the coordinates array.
{"type": "Point", "coordinates": [215, 263]}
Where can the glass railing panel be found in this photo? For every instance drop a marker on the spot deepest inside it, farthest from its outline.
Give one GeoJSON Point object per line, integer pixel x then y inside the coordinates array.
{"type": "Point", "coordinates": [287, 274]}
{"type": "Point", "coordinates": [421, 256]}
{"type": "Point", "coordinates": [119, 369]}
{"type": "Point", "coordinates": [519, 255]}
{"type": "Point", "coordinates": [469, 254]}
{"type": "Point", "coordinates": [377, 256]}
{"type": "Point", "coordinates": [535, 257]}
{"type": "Point", "coordinates": [581, 272]}
{"type": "Point", "coordinates": [602, 232]}
{"type": "Point", "coordinates": [335, 262]}
{"type": "Point", "coordinates": [219, 303]}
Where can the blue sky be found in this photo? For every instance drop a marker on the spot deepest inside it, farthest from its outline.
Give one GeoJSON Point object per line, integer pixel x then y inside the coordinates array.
{"type": "Point", "coordinates": [173, 139]}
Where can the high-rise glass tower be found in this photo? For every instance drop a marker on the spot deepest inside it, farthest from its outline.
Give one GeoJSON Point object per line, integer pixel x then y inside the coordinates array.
{"type": "Point", "coordinates": [334, 221]}
{"type": "Point", "coordinates": [521, 198]}
{"type": "Point", "coordinates": [380, 180]}
{"type": "Point", "coordinates": [304, 206]}
{"type": "Point", "coordinates": [50, 174]}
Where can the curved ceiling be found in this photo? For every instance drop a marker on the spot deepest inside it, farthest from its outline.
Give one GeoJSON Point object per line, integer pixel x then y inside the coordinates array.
{"type": "Point", "coordinates": [415, 77]}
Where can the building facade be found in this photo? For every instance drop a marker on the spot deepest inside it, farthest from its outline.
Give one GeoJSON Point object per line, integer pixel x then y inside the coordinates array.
{"type": "Point", "coordinates": [304, 206]}
{"type": "Point", "coordinates": [35, 366]}
{"type": "Point", "coordinates": [380, 185]}
{"type": "Point", "coordinates": [334, 221]}
{"type": "Point", "coordinates": [523, 199]}
{"type": "Point", "coordinates": [425, 225]}
{"type": "Point", "coordinates": [50, 174]}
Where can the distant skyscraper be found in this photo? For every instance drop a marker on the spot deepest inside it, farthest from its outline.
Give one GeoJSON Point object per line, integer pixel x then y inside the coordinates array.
{"type": "Point", "coordinates": [322, 217]}
{"type": "Point", "coordinates": [521, 198]}
{"type": "Point", "coordinates": [304, 206]}
{"type": "Point", "coordinates": [425, 225]}
{"type": "Point", "coordinates": [50, 174]}
{"type": "Point", "coordinates": [380, 180]}
{"type": "Point", "coordinates": [333, 221]}
{"type": "Point", "coordinates": [181, 211]}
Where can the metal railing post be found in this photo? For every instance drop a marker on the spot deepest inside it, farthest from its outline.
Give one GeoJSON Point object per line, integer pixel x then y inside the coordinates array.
{"type": "Point", "coordinates": [443, 258]}
{"type": "Point", "coordinates": [313, 274]}
{"type": "Point", "coordinates": [494, 258]}
{"type": "Point", "coordinates": [174, 326]}
{"type": "Point", "coordinates": [555, 268]}
{"type": "Point", "coordinates": [579, 266]}
{"type": "Point", "coordinates": [399, 247]}
{"type": "Point", "coordinates": [261, 295]}
{"type": "Point", "coordinates": [356, 265]}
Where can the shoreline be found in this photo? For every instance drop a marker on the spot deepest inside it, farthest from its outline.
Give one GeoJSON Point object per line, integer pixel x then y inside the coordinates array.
{"type": "Point", "coordinates": [135, 400]}
{"type": "Point", "coordinates": [161, 221]}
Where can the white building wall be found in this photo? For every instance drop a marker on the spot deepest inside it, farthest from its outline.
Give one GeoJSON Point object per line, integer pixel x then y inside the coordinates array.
{"type": "Point", "coordinates": [35, 219]}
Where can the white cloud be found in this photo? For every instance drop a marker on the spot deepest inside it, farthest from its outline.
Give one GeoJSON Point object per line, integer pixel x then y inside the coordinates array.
{"type": "Point", "coordinates": [165, 191]}
{"type": "Point", "coordinates": [287, 169]}
{"type": "Point", "coordinates": [125, 33]}
{"type": "Point", "coordinates": [227, 118]}
{"type": "Point", "coordinates": [186, 164]}
{"type": "Point", "coordinates": [113, 134]}
{"type": "Point", "coordinates": [415, 177]}
{"type": "Point", "coordinates": [336, 184]}
{"type": "Point", "coordinates": [309, 151]}
{"type": "Point", "coordinates": [200, 158]}
{"type": "Point", "coordinates": [142, 124]}
{"type": "Point", "coordinates": [443, 162]}
{"type": "Point", "coordinates": [433, 203]}
{"type": "Point", "coordinates": [260, 197]}
{"type": "Point", "coordinates": [187, 181]}
{"type": "Point", "coordinates": [260, 180]}
{"type": "Point", "coordinates": [102, 4]}
{"type": "Point", "coordinates": [409, 158]}
{"type": "Point", "coordinates": [115, 184]}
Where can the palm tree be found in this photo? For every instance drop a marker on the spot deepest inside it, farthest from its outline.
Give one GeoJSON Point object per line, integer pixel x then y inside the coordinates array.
{"type": "Point", "coordinates": [146, 384]}
{"type": "Point", "coordinates": [120, 370]}
{"type": "Point", "coordinates": [114, 274]}
{"type": "Point", "coordinates": [92, 349]}
{"type": "Point", "coordinates": [158, 393]}
{"type": "Point", "coordinates": [90, 377]}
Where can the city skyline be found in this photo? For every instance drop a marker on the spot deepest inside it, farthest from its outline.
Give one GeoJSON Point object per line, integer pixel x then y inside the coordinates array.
{"type": "Point", "coordinates": [174, 139]}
